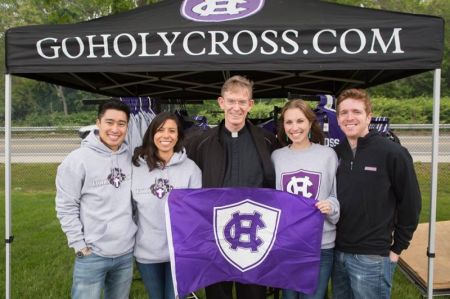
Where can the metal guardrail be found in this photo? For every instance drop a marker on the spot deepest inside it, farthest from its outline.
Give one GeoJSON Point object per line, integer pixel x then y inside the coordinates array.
{"type": "Point", "coordinates": [76, 128]}
{"type": "Point", "coordinates": [42, 129]}
{"type": "Point", "coordinates": [418, 126]}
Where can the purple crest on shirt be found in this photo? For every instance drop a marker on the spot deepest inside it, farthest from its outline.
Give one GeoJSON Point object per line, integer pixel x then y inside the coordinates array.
{"type": "Point", "coordinates": [302, 182]}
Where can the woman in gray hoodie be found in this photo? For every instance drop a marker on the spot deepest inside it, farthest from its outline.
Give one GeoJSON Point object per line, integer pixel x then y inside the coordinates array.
{"type": "Point", "coordinates": [304, 166]}
{"type": "Point", "coordinates": [159, 165]}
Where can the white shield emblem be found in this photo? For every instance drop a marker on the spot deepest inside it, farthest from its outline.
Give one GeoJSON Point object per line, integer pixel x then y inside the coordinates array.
{"type": "Point", "coordinates": [245, 232]}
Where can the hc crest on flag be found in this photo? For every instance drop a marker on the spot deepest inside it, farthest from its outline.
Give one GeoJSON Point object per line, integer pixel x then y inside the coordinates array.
{"type": "Point", "coordinates": [250, 235]}
{"type": "Point", "coordinates": [245, 232]}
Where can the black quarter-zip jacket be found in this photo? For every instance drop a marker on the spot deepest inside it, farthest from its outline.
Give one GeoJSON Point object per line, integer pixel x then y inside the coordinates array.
{"type": "Point", "coordinates": [379, 197]}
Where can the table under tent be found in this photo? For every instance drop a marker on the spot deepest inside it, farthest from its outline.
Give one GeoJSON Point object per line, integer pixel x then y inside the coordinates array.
{"type": "Point", "coordinates": [186, 49]}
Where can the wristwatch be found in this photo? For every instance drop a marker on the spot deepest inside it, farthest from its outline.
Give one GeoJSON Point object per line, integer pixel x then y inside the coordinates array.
{"type": "Point", "coordinates": [83, 252]}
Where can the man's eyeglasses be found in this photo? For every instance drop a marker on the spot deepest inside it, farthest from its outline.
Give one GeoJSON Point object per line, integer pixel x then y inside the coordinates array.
{"type": "Point", "coordinates": [241, 103]}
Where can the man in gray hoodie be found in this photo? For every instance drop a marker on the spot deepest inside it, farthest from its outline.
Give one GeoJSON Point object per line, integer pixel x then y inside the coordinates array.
{"type": "Point", "coordinates": [93, 205]}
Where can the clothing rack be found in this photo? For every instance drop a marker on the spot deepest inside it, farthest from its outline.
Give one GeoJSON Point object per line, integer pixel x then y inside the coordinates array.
{"type": "Point", "coordinates": [305, 97]}
{"type": "Point", "coordinates": [95, 101]}
{"type": "Point", "coordinates": [157, 101]}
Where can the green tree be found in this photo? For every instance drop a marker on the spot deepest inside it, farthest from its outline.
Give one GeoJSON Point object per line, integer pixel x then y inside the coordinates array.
{"type": "Point", "coordinates": [33, 96]}
{"type": "Point", "coordinates": [45, 98]}
{"type": "Point", "coordinates": [419, 85]}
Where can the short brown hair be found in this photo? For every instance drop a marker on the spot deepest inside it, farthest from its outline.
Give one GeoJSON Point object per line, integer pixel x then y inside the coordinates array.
{"type": "Point", "coordinates": [237, 82]}
{"type": "Point", "coordinates": [356, 94]}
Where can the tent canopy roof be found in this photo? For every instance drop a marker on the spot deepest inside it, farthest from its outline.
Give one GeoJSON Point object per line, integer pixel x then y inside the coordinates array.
{"type": "Point", "coordinates": [185, 49]}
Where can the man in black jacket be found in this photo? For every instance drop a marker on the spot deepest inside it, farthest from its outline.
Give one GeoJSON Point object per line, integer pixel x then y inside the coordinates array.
{"type": "Point", "coordinates": [235, 154]}
{"type": "Point", "coordinates": [380, 203]}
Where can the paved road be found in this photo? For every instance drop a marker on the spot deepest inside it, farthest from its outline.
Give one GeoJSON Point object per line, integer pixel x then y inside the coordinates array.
{"type": "Point", "coordinates": [54, 149]}
{"type": "Point", "coordinates": [420, 147]}
{"type": "Point", "coordinates": [39, 150]}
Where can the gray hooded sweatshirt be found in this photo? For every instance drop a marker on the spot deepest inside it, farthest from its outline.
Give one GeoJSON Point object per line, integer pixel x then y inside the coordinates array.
{"type": "Point", "coordinates": [311, 171]}
{"type": "Point", "coordinates": [150, 191]}
{"type": "Point", "coordinates": [93, 198]}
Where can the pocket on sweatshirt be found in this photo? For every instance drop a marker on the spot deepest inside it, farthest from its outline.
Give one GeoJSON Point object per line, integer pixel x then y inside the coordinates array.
{"type": "Point", "coordinates": [150, 210]}
{"type": "Point", "coordinates": [117, 238]}
{"type": "Point", "coordinates": [152, 245]}
{"type": "Point", "coordinates": [94, 232]}
{"type": "Point", "coordinates": [152, 239]}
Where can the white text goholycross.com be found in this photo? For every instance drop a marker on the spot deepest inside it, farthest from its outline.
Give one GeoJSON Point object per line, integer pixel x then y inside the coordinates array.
{"type": "Point", "coordinates": [218, 7]}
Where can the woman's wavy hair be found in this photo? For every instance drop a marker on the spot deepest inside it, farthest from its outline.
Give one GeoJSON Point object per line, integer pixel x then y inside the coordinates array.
{"type": "Point", "coordinates": [316, 131]}
{"type": "Point", "coordinates": [148, 149]}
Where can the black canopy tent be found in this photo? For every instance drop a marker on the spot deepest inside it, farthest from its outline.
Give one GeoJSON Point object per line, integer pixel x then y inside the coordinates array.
{"type": "Point", "coordinates": [185, 50]}
{"type": "Point", "coordinates": [298, 46]}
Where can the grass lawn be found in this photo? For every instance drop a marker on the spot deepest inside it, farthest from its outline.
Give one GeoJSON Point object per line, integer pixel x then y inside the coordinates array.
{"type": "Point", "coordinates": [42, 263]}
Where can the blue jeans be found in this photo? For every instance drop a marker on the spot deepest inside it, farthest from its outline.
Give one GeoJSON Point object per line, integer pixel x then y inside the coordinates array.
{"type": "Point", "coordinates": [157, 279]}
{"type": "Point", "coordinates": [326, 265]}
{"type": "Point", "coordinates": [92, 273]}
{"type": "Point", "coordinates": [360, 276]}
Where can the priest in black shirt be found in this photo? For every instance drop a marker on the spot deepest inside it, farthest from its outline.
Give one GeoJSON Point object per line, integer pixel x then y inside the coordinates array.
{"type": "Point", "coordinates": [235, 154]}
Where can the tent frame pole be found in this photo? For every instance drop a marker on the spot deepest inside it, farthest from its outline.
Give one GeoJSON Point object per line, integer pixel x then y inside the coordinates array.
{"type": "Point", "coordinates": [8, 236]}
{"type": "Point", "coordinates": [434, 179]}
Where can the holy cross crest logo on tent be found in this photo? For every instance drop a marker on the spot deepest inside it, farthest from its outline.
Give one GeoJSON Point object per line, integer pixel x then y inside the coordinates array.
{"type": "Point", "coordinates": [245, 232]}
{"type": "Point", "coordinates": [219, 10]}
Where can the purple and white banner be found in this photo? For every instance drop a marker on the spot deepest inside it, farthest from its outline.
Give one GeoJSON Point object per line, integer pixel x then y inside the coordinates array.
{"type": "Point", "coordinates": [250, 235]}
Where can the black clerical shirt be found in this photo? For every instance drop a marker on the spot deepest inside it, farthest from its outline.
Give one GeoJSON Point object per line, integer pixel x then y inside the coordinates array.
{"type": "Point", "coordinates": [243, 165]}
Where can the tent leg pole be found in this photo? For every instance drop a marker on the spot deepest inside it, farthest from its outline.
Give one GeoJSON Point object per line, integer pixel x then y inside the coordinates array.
{"type": "Point", "coordinates": [8, 237]}
{"type": "Point", "coordinates": [434, 178]}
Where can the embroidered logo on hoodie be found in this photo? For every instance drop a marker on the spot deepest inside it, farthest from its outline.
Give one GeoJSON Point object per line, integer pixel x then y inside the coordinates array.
{"type": "Point", "coordinates": [116, 177]}
{"type": "Point", "coordinates": [161, 187]}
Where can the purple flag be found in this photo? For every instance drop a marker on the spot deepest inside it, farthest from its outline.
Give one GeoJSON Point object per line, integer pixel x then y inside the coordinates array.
{"type": "Point", "coordinates": [250, 235]}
